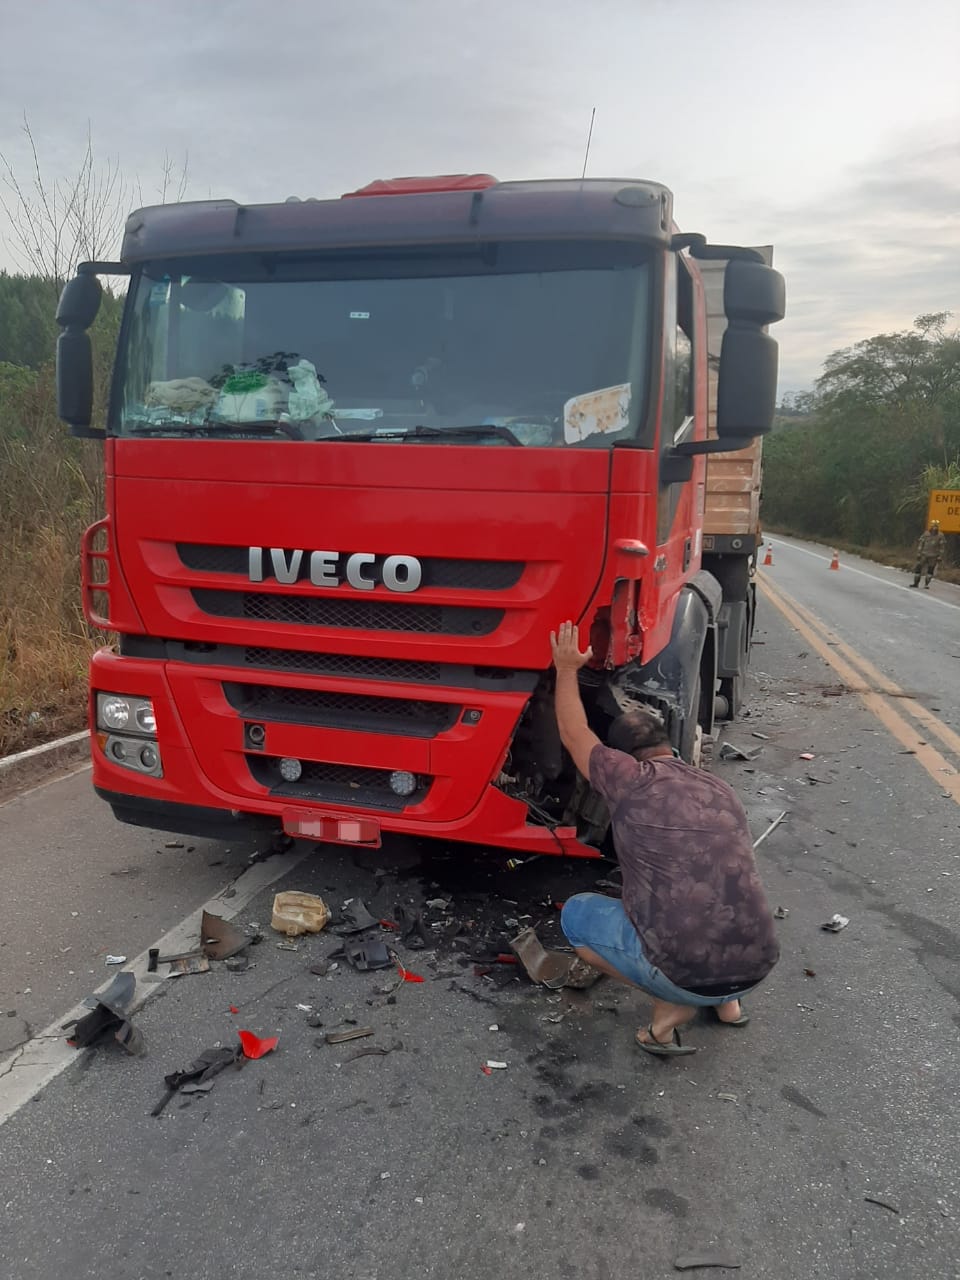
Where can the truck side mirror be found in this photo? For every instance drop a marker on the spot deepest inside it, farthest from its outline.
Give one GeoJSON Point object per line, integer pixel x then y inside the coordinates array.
{"type": "Point", "coordinates": [753, 297]}
{"type": "Point", "coordinates": [77, 310]}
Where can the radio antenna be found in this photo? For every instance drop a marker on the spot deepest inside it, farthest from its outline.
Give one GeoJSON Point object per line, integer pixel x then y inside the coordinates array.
{"type": "Point", "coordinates": [586, 154]}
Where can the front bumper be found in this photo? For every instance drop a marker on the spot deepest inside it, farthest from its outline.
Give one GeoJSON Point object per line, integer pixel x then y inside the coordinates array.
{"type": "Point", "coordinates": [209, 786]}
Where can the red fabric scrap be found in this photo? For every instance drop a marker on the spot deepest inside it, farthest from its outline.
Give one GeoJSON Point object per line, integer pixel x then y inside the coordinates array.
{"type": "Point", "coordinates": [255, 1047]}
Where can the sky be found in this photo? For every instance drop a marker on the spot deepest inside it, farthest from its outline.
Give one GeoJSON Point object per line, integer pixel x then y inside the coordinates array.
{"type": "Point", "coordinates": [829, 128]}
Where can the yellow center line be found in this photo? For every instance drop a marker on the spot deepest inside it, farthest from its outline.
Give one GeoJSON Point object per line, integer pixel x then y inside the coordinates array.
{"type": "Point", "coordinates": [811, 628]}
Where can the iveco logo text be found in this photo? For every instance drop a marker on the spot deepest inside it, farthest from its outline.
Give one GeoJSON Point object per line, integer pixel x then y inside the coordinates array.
{"type": "Point", "coordinates": [361, 570]}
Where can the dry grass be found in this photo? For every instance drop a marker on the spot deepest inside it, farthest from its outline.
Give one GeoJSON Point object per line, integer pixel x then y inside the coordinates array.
{"type": "Point", "coordinates": [50, 489]}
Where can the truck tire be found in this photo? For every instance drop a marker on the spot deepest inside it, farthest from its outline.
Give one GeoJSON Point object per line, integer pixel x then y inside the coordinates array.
{"type": "Point", "coordinates": [687, 746]}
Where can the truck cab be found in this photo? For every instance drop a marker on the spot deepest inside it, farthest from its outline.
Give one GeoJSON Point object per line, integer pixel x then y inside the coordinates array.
{"type": "Point", "coordinates": [361, 456]}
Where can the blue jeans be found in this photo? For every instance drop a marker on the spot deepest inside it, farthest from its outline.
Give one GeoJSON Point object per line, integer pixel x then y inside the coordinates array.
{"type": "Point", "coordinates": [600, 923]}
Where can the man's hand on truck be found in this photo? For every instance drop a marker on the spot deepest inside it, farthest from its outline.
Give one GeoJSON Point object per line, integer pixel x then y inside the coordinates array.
{"type": "Point", "coordinates": [575, 733]}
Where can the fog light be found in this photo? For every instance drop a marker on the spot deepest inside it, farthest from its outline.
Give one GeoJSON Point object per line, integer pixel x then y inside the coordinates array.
{"type": "Point", "coordinates": [149, 758]}
{"type": "Point", "coordinates": [290, 769]}
{"type": "Point", "coordinates": [118, 750]}
{"type": "Point", "coordinates": [114, 711]}
{"type": "Point", "coordinates": [403, 783]}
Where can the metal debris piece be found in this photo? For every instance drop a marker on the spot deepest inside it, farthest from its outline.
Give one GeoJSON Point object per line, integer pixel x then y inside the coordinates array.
{"type": "Point", "coordinates": [781, 913]}
{"type": "Point", "coordinates": [691, 1261]}
{"type": "Point", "coordinates": [884, 1204]}
{"type": "Point", "coordinates": [835, 923]}
{"type": "Point", "coordinates": [771, 828]}
{"type": "Point", "coordinates": [728, 751]}
{"type": "Point", "coordinates": [550, 968]}
{"type": "Point", "coordinates": [219, 939]}
{"type": "Point", "coordinates": [340, 1037]}
{"type": "Point", "coordinates": [197, 962]}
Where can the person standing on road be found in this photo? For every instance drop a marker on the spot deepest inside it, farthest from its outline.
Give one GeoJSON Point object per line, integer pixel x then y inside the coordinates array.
{"type": "Point", "coordinates": [693, 928]}
{"type": "Point", "coordinates": [930, 551]}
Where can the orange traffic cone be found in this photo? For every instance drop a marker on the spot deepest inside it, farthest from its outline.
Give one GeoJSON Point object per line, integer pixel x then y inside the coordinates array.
{"type": "Point", "coordinates": [768, 558]}
{"type": "Point", "coordinates": [835, 562]}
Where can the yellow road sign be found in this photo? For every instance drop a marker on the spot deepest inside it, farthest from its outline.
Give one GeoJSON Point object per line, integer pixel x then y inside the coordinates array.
{"type": "Point", "coordinates": [945, 507]}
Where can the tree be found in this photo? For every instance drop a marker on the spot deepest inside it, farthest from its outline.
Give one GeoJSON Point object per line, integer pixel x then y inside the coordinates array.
{"type": "Point", "coordinates": [884, 416]}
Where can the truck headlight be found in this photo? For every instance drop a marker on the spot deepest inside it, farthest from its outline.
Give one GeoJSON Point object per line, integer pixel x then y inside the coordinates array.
{"type": "Point", "coordinates": [117, 712]}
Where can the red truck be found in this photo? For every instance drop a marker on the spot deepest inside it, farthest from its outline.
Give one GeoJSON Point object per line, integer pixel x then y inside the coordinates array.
{"type": "Point", "coordinates": [361, 456]}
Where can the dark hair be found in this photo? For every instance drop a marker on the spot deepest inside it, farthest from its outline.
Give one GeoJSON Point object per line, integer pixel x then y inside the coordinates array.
{"type": "Point", "coordinates": [637, 731]}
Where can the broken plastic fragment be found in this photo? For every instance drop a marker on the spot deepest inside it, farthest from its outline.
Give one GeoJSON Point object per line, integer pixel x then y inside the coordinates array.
{"type": "Point", "coordinates": [835, 923]}
{"type": "Point", "coordinates": [407, 976]}
{"type": "Point", "coordinates": [115, 960]}
{"type": "Point", "coordinates": [781, 913]}
{"type": "Point", "coordinates": [255, 1047]}
{"type": "Point", "coordinates": [497, 1066]}
{"type": "Point", "coordinates": [807, 755]}
{"type": "Point", "coordinates": [295, 913]}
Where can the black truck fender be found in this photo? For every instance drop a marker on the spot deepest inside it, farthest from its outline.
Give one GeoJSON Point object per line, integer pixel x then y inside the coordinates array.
{"type": "Point", "coordinates": [669, 681]}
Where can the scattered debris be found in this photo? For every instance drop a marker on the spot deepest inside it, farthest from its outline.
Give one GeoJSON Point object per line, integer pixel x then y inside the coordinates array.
{"type": "Point", "coordinates": [153, 956]}
{"type": "Point", "coordinates": [237, 964]}
{"type": "Point", "coordinates": [807, 755]}
{"type": "Point", "coordinates": [180, 966]}
{"type": "Point", "coordinates": [321, 968]}
{"type": "Point", "coordinates": [437, 904]}
{"type": "Point", "coordinates": [255, 1047]}
{"type": "Point", "coordinates": [730, 752]}
{"type": "Point", "coordinates": [363, 956]}
{"type": "Point", "coordinates": [770, 829]}
{"type": "Point", "coordinates": [355, 917]}
{"type": "Point", "coordinates": [550, 968]}
{"type": "Point", "coordinates": [497, 1066]}
{"type": "Point", "coordinates": [340, 1037]}
{"type": "Point", "coordinates": [110, 1014]}
{"type": "Point", "coordinates": [219, 939]}
{"type": "Point", "coordinates": [691, 1261]}
{"type": "Point", "coordinates": [115, 960]}
{"type": "Point", "coordinates": [413, 932]}
{"type": "Point", "coordinates": [764, 736]}
{"type": "Point", "coordinates": [173, 844]}
{"type": "Point", "coordinates": [406, 975]}
{"type": "Point", "coordinates": [305, 1008]}
{"type": "Point", "coordinates": [810, 973]}
{"type": "Point", "coordinates": [781, 913]}
{"type": "Point", "coordinates": [295, 913]}
{"type": "Point", "coordinates": [374, 1051]}
{"type": "Point", "coordinates": [199, 1074]}
{"type": "Point", "coordinates": [884, 1204]}
{"type": "Point", "coordinates": [314, 1020]}
{"type": "Point", "coordinates": [728, 1097]}
{"type": "Point", "coordinates": [835, 923]}
{"type": "Point", "coordinates": [494, 1026]}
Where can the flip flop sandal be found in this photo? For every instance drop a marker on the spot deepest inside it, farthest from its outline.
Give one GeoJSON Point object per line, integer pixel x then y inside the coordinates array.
{"type": "Point", "coordinates": [672, 1049]}
{"type": "Point", "coordinates": [737, 1022]}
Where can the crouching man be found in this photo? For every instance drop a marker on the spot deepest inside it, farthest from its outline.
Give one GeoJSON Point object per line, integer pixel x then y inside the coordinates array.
{"type": "Point", "coordinates": [694, 928]}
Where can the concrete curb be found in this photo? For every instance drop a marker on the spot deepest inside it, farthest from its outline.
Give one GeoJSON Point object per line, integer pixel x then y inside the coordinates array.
{"type": "Point", "coordinates": [27, 768]}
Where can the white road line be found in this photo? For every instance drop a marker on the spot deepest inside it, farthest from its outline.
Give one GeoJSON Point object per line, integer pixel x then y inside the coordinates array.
{"type": "Point", "coordinates": [31, 1067]}
{"type": "Point", "coordinates": [848, 568]}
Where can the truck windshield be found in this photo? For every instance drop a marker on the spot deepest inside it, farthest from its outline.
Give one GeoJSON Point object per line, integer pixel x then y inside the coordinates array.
{"type": "Point", "coordinates": [495, 347]}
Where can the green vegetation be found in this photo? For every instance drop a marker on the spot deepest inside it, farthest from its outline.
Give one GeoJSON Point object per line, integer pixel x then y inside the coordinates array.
{"type": "Point", "coordinates": [854, 461]}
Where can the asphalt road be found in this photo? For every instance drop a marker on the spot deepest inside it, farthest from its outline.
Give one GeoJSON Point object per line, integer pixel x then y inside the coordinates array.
{"type": "Point", "coordinates": [582, 1158]}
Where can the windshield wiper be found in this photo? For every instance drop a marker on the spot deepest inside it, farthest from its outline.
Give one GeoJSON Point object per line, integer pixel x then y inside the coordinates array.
{"type": "Point", "coordinates": [258, 429]}
{"type": "Point", "coordinates": [399, 434]}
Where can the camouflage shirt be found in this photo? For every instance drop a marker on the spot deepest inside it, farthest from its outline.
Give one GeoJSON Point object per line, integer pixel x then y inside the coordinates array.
{"type": "Point", "coordinates": [690, 881]}
{"type": "Point", "coordinates": [932, 545]}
